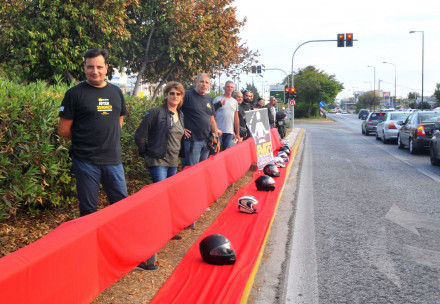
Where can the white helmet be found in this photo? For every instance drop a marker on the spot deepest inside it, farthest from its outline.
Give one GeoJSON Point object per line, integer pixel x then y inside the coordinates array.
{"type": "Point", "coordinates": [246, 204]}
{"type": "Point", "coordinates": [279, 162]}
{"type": "Point", "coordinates": [283, 155]}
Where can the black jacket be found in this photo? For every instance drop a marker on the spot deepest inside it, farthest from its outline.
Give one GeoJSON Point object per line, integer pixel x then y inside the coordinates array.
{"type": "Point", "coordinates": [151, 136]}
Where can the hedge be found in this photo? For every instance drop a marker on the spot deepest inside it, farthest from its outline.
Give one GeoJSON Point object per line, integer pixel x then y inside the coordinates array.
{"type": "Point", "coordinates": [35, 169]}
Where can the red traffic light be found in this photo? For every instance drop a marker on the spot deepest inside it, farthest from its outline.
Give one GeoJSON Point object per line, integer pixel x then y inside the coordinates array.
{"type": "Point", "coordinates": [341, 40]}
{"type": "Point", "coordinates": [349, 39]}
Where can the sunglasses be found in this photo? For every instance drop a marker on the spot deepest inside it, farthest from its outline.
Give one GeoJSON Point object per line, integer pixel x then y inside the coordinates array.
{"type": "Point", "coordinates": [175, 93]}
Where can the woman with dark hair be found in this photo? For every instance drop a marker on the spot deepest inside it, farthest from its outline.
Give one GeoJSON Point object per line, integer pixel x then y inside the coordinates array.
{"type": "Point", "coordinates": [159, 138]}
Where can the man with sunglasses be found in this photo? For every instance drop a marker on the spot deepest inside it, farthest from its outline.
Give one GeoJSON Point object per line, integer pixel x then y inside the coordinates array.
{"type": "Point", "coordinates": [199, 121]}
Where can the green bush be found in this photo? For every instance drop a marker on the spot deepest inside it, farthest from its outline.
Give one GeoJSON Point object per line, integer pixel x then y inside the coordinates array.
{"type": "Point", "coordinates": [35, 169]}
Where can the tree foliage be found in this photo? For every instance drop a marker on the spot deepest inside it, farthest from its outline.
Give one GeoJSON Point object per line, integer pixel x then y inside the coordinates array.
{"type": "Point", "coordinates": [182, 38]}
{"type": "Point", "coordinates": [437, 94]}
{"type": "Point", "coordinates": [42, 38]}
{"type": "Point", "coordinates": [368, 101]}
{"type": "Point", "coordinates": [155, 38]}
{"type": "Point", "coordinates": [312, 86]}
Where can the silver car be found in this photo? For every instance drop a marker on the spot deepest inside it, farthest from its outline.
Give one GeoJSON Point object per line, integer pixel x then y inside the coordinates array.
{"type": "Point", "coordinates": [388, 128]}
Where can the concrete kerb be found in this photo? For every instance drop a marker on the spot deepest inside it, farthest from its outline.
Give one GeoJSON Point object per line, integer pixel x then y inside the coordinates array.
{"type": "Point", "coordinates": [269, 284]}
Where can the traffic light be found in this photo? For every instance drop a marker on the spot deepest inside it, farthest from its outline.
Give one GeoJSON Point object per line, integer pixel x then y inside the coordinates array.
{"type": "Point", "coordinates": [286, 94]}
{"type": "Point", "coordinates": [254, 69]}
{"type": "Point", "coordinates": [349, 39]}
{"type": "Point", "coordinates": [293, 91]}
{"type": "Point", "coordinates": [259, 69]}
{"type": "Point", "coordinates": [341, 40]}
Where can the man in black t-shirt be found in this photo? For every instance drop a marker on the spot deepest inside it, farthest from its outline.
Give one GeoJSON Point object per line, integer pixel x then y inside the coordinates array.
{"type": "Point", "coordinates": [199, 121]}
{"type": "Point", "coordinates": [91, 116]}
{"type": "Point", "coordinates": [245, 106]}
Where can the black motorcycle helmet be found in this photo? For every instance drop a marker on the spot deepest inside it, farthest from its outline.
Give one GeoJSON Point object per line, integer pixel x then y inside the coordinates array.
{"type": "Point", "coordinates": [285, 149]}
{"type": "Point", "coordinates": [265, 183]}
{"type": "Point", "coordinates": [271, 170]}
{"type": "Point", "coordinates": [217, 250]}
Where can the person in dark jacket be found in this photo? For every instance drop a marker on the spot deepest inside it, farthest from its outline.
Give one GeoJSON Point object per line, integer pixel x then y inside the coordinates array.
{"type": "Point", "coordinates": [159, 138]}
{"type": "Point", "coordinates": [159, 135]}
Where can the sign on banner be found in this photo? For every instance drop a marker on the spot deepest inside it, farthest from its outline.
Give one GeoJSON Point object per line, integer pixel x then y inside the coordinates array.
{"type": "Point", "coordinates": [257, 122]}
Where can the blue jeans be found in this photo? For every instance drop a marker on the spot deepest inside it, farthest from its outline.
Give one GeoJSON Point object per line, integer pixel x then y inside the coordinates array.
{"type": "Point", "coordinates": [88, 177]}
{"type": "Point", "coordinates": [195, 152]}
{"type": "Point", "coordinates": [226, 141]}
{"type": "Point", "coordinates": [159, 173]}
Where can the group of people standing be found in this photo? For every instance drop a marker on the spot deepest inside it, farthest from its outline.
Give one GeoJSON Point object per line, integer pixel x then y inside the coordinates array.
{"type": "Point", "coordinates": [91, 116]}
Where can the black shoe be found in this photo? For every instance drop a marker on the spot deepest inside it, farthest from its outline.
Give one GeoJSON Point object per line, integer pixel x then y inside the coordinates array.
{"type": "Point", "coordinates": [144, 266]}
{"type": "Point", "coordinates": [192, 226]}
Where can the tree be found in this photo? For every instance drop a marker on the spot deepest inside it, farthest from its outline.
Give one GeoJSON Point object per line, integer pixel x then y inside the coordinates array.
{"type": "Point", "coordinates": [368, 100]}
{"type": "Point", "coordinates": [254, 90]}
{"type": "Point", "coordinates": [182, 38]}
{"type": "Point", "coordinates": [41, 39]}
{"type": "Point", "coordinates": [313, 86]}
{"type": "Point", "coordinates": [437, 94]}
{"type": "Point", "coordinates": [413, 95]}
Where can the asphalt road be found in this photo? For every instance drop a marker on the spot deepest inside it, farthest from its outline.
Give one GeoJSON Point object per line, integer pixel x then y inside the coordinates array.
{"type": "Point", "coordinates": [358, 222]}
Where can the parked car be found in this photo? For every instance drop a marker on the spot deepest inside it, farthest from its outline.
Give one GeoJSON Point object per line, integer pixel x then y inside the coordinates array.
{"type": "Point", "coordinates": [434, 146]}
{"type": "Point", "coordinates": [363, 114]}
{"type": "Point", "coordinates": [369, 124]}
{"type": "Point", "coordinates": [387, 129]}
{"type": "Point", "coordinates": [417, 130]}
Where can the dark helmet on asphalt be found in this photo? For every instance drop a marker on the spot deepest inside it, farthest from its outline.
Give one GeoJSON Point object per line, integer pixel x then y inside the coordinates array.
{"type": "Point", "coordinates": [247, 203]}
{"type": "Point", "coordinates": [217, 250]}
{"type": "Point", "coordinates": [265, 183]}
{"type": "Point", "coordinates": [285, 149]}
{"type": "Point", "coordinates": [271, 170]}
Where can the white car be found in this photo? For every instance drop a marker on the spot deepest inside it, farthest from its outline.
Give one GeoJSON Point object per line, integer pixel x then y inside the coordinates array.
{"type": "Point", "coordinates": [388, 128]}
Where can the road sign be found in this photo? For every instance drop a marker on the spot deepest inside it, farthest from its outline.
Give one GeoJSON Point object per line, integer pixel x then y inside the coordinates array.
{"type": "Point", "coordinates": [322, 104]}
{"type": "Point", "coordinates": [292, 102]}
{"type": "Point", "coordinates": [321, 111]}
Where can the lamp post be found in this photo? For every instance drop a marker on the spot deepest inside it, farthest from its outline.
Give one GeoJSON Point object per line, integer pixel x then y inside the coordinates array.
{"type": "Point", "coordinates": [394, 81]}
{"type": "Point", "coordinates": [423, 55]}
{"type": "Point", "coordinates": [374, 81]}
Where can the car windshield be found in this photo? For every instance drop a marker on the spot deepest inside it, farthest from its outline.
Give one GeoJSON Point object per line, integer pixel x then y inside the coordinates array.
{"type": "Point", "coordinates": [429, 117]}
{"type": "Point", "coordinates": [399, 116]}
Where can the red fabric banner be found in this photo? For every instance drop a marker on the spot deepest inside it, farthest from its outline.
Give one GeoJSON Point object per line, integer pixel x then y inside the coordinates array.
{"type": "Point", "coordinates": [80, 258]}
{"type": "Point", "coordinates": [195, 281]}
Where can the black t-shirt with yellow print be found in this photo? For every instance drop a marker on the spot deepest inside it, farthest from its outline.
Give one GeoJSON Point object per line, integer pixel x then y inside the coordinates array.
{"type": "Point", "coordinates": [96, 130]}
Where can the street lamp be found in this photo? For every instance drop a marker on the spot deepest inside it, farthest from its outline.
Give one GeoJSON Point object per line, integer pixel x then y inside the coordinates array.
{"type": "Point", "coordinates": [394, 81]}
{"type": "Point", "coordinates": [423, 55]}
{"type": "Point", "coordinates": [374, 81]}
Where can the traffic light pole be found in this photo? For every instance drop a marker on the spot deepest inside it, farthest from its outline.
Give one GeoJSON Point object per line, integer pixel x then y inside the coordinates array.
{"type": "Point", "coordinates": [291, 80]}
{"type": "Point", "coordinates": [292, 83]}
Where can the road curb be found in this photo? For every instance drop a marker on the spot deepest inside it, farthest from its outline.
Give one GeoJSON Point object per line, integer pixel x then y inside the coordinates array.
{"type": "Point", "coordinates": [269, 283]}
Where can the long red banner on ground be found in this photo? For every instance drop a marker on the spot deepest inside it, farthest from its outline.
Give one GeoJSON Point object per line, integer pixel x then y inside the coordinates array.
{"type": "Point", "coordinates": [82, 257]}
{"type": "Point", "coordinates": [195, 281]}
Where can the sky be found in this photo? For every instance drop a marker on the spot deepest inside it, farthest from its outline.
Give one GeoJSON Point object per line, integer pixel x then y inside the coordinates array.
{"type": "Point", "coordinates": [276, 28]}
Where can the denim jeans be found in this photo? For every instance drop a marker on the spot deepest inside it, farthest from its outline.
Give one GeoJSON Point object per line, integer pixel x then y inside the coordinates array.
{"type": "Point", "coordinates": [226, 141]}
{"type": "Point", "coordinates": [159, 173]}
{"type": "Point", "coordinates": [88, 177]}
{"type": "Point", "coordinates": [195, 152]}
